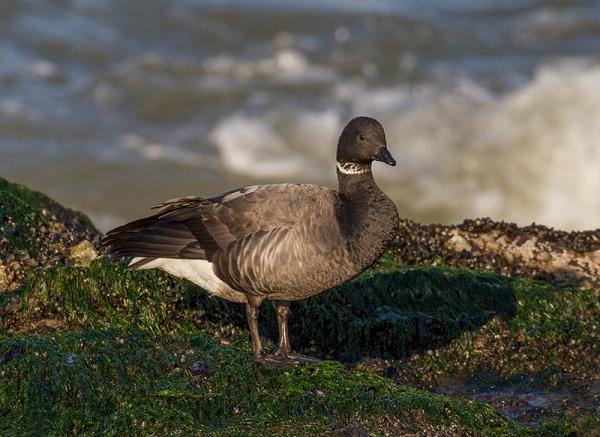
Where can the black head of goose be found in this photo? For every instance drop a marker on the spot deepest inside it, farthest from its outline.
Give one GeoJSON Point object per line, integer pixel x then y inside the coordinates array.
{"type": "Point", "coordinates": [278, 242]}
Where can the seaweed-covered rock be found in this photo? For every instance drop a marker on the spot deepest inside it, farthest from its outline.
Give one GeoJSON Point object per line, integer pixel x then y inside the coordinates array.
{"type": "Point", "coordinates": [541, 363]}
{"type": "Point", "coordinates": [389, 314]}
{"type": "Point", "coordinates": [441, 329]}
{"type": "Point", "coordinates": [128, 382]}
{"type": "Point", "coordinates": [35, 231]}
{"type": "Point", "coordinates": [398, 312]}
{"type": "Point", "coordinates": [105, 295]}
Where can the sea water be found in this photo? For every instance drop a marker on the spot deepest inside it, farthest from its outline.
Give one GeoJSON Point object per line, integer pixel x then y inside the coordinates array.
{"type": "Point", "coordinates": [490, 108]}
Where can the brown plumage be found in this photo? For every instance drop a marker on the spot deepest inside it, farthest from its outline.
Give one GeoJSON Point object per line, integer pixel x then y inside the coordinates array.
{"type": "Point", "coordinates": [279, 242]}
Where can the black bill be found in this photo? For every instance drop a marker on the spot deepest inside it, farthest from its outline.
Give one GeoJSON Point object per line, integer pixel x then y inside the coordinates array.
{"type": "Point", "coordinates": [384, 155]}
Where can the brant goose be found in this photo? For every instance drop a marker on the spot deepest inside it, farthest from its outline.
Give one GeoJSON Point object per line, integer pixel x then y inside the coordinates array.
{"type": "Point", "coordinates": [278, 242]}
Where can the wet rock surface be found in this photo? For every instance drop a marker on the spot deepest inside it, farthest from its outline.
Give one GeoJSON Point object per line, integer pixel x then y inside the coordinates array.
{"type": "Point", "coordinates": [566, 259]}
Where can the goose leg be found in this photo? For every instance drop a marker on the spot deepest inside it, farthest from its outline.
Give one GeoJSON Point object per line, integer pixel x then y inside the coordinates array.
{"type": "Point", "coordinates": [282, 308]}
{"type": "Point", "coordinates": [252, 314]}
{"type": "Point", "coordinates": [284, 353]}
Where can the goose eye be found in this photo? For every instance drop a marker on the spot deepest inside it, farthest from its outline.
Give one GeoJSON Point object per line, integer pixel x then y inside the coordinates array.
{"type": "Point", "coordinates": [362, 137]}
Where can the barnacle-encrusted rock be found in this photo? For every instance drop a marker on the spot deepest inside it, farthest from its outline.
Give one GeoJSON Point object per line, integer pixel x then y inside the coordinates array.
{"type": "Point", "coordinates": [561, 258]}
{"type": "Point", "coordinates": [35, 231]}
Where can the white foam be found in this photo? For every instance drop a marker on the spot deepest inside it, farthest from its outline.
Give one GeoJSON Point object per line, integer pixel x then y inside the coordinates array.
{"type": "Point", "coordinates": [45, 69]}
{"type": "Point", "coordinates": [250, 146]}
{"type": "Point", "coordinates": [12, 108]}
{"type": "Point", "coordinates": [292, 144]}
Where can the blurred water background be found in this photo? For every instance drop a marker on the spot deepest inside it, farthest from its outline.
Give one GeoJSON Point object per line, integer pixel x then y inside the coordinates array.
{"type": "Point", "coordinates": [491, 108]}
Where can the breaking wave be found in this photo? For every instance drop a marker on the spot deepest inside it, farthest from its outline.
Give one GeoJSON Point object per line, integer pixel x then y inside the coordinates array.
{"type": "Point", "coordinates": [462, 151]}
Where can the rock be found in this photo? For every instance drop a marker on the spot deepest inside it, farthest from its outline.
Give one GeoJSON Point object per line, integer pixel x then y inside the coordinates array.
{"type": "Point", "coordinates": [566, 259]}
{"type": "Point", "coordinates": [83, 253]}
{"type": "Point", "coordinates": [458, 243]}
{"type": "Point", "coordinates": [4, 277]}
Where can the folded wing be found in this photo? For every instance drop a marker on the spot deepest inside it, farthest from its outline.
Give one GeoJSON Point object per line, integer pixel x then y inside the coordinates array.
{"type": "Point", "coordinates": [197, 228]}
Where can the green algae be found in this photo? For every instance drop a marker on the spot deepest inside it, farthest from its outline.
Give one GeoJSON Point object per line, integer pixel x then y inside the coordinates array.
{"type": "Point", "coordinates": [128, 382]}
{"type": "Point", "coordinates": [547, 352]}
{"type": "Point", "coordinates": [105, 295]}
{"type": "Point", "coordinates": [124, 321]}
{"type": "Point", "coordinates": [30, 200]}
{"type": "Point", "coordinates": [101, 296]}
{"type": "Point", "coordinates": [380, 314]}
{"type": "Point", "coordinates": [19, 222]}
{"type": "Point", "coordinates": [553, 332]}
{"type": "Point", "coordinates": [25, 214]}
{"type": "Point", "coordinates": [396, 313]}
{"type": "Point", "coordinates": [477, 329]}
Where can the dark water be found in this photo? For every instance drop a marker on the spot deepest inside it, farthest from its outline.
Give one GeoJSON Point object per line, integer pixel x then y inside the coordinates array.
{"type": "Point", "coordinates": [491, 108]}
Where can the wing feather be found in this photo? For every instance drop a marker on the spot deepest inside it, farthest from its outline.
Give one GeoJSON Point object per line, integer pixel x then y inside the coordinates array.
{"type": "Point", "coordinates": [248, 225]}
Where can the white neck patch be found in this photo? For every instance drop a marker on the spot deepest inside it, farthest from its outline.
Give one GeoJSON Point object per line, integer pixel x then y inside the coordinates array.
{"type": "Point", "coordinates": [352, 168]}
